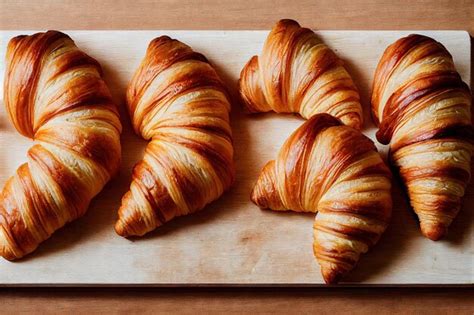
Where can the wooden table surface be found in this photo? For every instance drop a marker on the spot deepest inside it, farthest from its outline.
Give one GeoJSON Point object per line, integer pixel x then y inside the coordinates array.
{"type": "Point", "coordinates": [234, 14]}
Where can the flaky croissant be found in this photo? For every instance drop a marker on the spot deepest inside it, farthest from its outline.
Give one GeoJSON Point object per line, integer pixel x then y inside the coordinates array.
{"type": "Point", "coordinates": [334, 170]}
{"type": "Point", "coordinates": [54, 94]}
{"type": "Point", "coordinates": [177, 101]}
{"type": "Point", "coordinates": [297, 73]}
{"type": "Point", "coordinates": [423, 109]}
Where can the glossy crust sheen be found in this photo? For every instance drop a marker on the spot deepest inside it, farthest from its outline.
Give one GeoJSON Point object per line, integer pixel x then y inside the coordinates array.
{"type": "Point", "coordinates": [297, 73]}
{"type": "Point", "coordinates": [334, 170]}
{"type": "Point", "coordinates": [424, 111]}
{"type": "Point", "coordinates": [177, 101]}
{"type": "Point", "coordinates": [55, 95]}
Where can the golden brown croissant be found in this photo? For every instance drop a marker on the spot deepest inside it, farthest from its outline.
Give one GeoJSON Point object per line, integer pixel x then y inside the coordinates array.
{"type": "Point", "coordinates": [297, 73]}
{"type": "Point", "coordinates": [177, 100]}
{"type": "Point", "coordinates": [54, 94]}
{"type": "Point", "coordinates": [334, 170]}
{"type": "Point", "coordinates": [423, 110]}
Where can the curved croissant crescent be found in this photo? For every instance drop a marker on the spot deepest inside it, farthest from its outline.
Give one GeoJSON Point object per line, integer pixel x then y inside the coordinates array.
{"type": "Point", "coordinates": [297, 73]}
{"type": "Point", "coordinates": [334, 170]}
{"type": "Point", "coordinates": [424, 111]}
{"type": "Point", "coordinates": [177, 100]}
{"type": "Point", "coordinates": [55, 95]}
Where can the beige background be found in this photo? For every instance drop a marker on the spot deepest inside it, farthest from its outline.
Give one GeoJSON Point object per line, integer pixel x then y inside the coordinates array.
{"type": "Point", "coordinates": [234, 14]}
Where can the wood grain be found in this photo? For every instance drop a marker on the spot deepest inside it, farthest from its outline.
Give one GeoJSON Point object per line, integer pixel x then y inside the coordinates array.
{"type": "Point", "coordinates": [231, 14]}
{"type": "Point", "coordinates": [232, 241]}
{"type": "Point", "coordinates": [238, 301]}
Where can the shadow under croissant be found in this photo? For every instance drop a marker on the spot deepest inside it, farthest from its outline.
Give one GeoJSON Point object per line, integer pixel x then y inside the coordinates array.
{"type": "Point", "coordinates": [461, 226]}
{"type": "Point", "coordinates": [213, 211]}
{"type": "Point", "coordinates": [396, 241]}
{"type": "Point", "coordinates": [393, 243]}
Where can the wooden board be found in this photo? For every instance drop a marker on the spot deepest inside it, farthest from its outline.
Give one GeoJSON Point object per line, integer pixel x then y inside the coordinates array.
{"type": "Point", "coordinates": [232, 241]}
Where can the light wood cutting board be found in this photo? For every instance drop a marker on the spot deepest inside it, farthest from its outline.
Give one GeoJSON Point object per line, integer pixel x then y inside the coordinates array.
{"type": "Point", "coordinates": [232, 242]}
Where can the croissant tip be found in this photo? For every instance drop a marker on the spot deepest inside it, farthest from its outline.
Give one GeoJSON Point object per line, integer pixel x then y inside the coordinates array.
{"type": "Point", "coordinates": [120, 229]}
{"type": "Point", "coordinates": [5, 251]}
{"type": "Point", "coordinates": [127, 230]}
{"type": "Point", "coordinates": [7, 257]}
{"type": "Point", "coordinates": [253, 196]}
{"type": "Point", "coordinates": [331, 276]}
{"type": "Point", "coordinates": [433, 231]}
{"type": "Point", "coordinates": [9, 254]}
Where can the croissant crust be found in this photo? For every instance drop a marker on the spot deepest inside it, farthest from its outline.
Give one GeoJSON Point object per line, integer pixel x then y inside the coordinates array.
{"type": "Point", "coordinates": [54, 94]}
{"type": "Point", "coordinates": [423, 109]}
{"type": "Point", "coordinates": [177, 101]}
{"type": "Point", "coordinates": [297, 73]}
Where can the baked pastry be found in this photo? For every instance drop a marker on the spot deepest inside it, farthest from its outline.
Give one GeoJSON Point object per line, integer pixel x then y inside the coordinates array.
{"type": "Point", "coordinates": [298, 73]}
{"type": "Point", "coordinates": [423, 110]}
{"type": "Point", "coordinates": [336, 171]}
{"type": "Point", "coordinates": [54, 93]}
{"type": "Point", "coordinates": [177, 101]}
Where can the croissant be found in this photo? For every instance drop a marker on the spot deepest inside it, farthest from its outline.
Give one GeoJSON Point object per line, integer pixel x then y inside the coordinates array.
{"type": "Point", "coordinates": [54, 94]}
{"type": "Point", "coordinates": [423, 110]}
{"type": "Point", "coordinates": [177, 101]}
{"type": "Point", "coordinates": [297, 73]}
{"type": "Point", "coordinates": [332, 169]}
